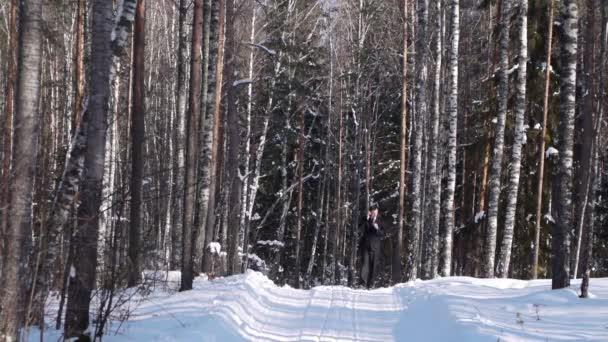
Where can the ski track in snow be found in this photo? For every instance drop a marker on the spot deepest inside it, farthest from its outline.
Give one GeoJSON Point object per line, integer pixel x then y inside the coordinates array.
{"type": "Point", "coordinates": [251, 307]}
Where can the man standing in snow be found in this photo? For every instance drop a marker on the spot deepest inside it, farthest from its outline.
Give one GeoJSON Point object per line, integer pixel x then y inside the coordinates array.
{"type": "Point", "coordinates": [371, 247]}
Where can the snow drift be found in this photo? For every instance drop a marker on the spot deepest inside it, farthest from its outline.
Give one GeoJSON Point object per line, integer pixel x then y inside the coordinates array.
{"type": "Point", "coordinates": [251, 307]}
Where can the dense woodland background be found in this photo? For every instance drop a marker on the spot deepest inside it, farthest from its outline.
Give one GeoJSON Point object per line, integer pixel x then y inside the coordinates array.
{"type": "Point", "coordinates": [220, 135]}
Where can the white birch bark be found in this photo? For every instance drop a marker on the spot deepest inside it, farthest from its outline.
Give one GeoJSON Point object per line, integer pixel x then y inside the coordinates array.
{"type": "Point", "coordinates": [563, 206]}
{"type": "Point", "coordinates": [499, 142]}
{"type": "Point", "coordinates": [504, 259]}
{"type": "Point", "coordinates": [452, 114]}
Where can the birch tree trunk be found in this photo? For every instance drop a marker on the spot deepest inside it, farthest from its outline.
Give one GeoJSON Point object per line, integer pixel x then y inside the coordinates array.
{"type": "Point", "coordinates": [82, 283]}
{"type": "Point", "coordinates": [206, 124]}
{"type": "Point", "coordinates": [499, 142]}
{"type": "Point", "coordinates": [22, 172]}
{"type": "Point", "coordinates": [180, 140]}
{"type": "Point", "coordinates": [396, 265]}
{"type": "Point", "coordinates": [421, 112]}
{"type": "Point", "coordinates": [191, 152]}
{"type": "Point", "coordinates": [431, 233]}
{"type": "Point", "coordinates": [504, 259]}
{"type": "Point", "coordinates": [138, 136]}
{"type": "Point", "coordinates": [246, 189]}
{"type": "Point", "coordinates": [541, 152]}
{"type": "Point", "coordinates": [563, 207]}
{"type": "Point", "coordinates": [452, 114]}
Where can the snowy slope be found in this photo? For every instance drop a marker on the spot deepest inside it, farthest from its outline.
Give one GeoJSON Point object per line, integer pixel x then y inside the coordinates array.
{"type": "Point", "coordinates": [251, 307]}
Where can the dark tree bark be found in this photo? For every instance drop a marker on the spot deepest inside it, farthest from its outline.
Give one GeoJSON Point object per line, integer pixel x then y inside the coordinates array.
{"type": "Point", "coordinates": [191, 152]}
{"type": "Point", "coordinates": [217, 120]}
{"type": "Point", "coordinates": [138, 136]}
{"type": "Point", "coordinates": [9, 92]}
{"type": "Point", "coordinates": [82, 281]}
{"type": "Point", "coordinates": [563, 207]}
{"type": "Point", "coordinates": [22, 172]}
{"type": "Point", "coordinates": [541, 153]}
{"type": "Point", "coordinates": [233, 142]}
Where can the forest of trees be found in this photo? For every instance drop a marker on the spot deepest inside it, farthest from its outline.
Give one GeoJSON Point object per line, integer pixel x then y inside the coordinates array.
{"type": "Point", "coordinates": [218, 136]}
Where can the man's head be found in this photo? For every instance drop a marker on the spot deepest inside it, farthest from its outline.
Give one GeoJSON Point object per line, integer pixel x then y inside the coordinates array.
{"type": "Point", "coordinates": [373, 211]}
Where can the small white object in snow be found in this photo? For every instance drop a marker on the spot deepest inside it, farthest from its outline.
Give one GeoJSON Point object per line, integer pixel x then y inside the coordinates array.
{"type": "Point", "coordinates": [551, 151]}
{"type": "Point", "coordinates": [214, 247]}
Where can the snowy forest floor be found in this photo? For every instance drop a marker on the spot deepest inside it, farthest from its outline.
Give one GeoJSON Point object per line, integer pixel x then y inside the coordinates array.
{"type": "Point", "coordinates": [251, 307]}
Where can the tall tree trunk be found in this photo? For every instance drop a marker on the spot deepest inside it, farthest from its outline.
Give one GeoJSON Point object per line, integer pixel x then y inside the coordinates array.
{"type": "Point", "coordinates": [9, 92]}
{"type": "Point", "coordinates": [206, 124]}
{"type": "Point", "coordinates": [22, 172]}
{"type": "Point", "coordinates": [583, 148]}
{"type": "Point", "coordinates": [396, 265]}
{"type": "Point", "coordinates": [541, 151]}
{"type": "Point", "coordinates": [499, 142]}
{"type": "Point", "coordinates": [563, 207]}
{"type": "Point", "coordinates": [504, 259]}
{"type": "Point", "coordinates": [246, 189]}
{"type": "Point", "coordinates": [78, 64]}
{"type": "Point", "coordinates": [82, 283]}
{"type": "Point", "coordinates": [217, 120]}
{"type": "Point", "coordinates": [180, 140]}
{"type": "Point", "coordinates": [431, 233]}
{"type": "Point", "coordinates": [301, 147]}
{"type": "Point", "coordinates": [233, 142]}
{"type": "Point", "coordinates": [191, 152]}
{"type": "Point", "coordinates": [595, 177]}
{"type": "Point", "coordinates": [138, 136]}
{"type": "Point", "coordinates": [452, 114]}
{"type": "Point", "coordinates": [339, 209]}
{"type": "Point", "coordinates": [421, 113]}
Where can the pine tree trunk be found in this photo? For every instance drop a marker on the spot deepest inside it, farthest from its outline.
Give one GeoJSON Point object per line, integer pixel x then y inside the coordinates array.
{"type": "Point", "coordinates": [541, 152]}
{"type": "Point", "coordinates": [594, 161]}
{"type": "Point", "coordinates": [584, 144]}
{"type": "Point", "coordinates": [191, 152]}
{"type": "Point", "coordinates": [233, 142]}
{"type": "Point", "coordinates": [138, 136]}
{"type": "Point", "coordinates": [563, 206]}
{"type": "Point", "coordinates": [218, 16]}
{"type": "Point", "coordinates": [82, 283]}
{"type": "Point", "coordinates": [11, 79]}
{"type": "Point", "coordinates": [452, 114]}
{"type": "Point", "coordinates": [499, 142]}
{"type": "Point", "coordinates": [504, 259]}
{"type": "Point", "coordinates": [22, 172]}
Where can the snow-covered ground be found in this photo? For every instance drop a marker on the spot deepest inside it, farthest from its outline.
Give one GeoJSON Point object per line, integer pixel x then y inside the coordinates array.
{"type": "Point", "coordinates": [251, 307]}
